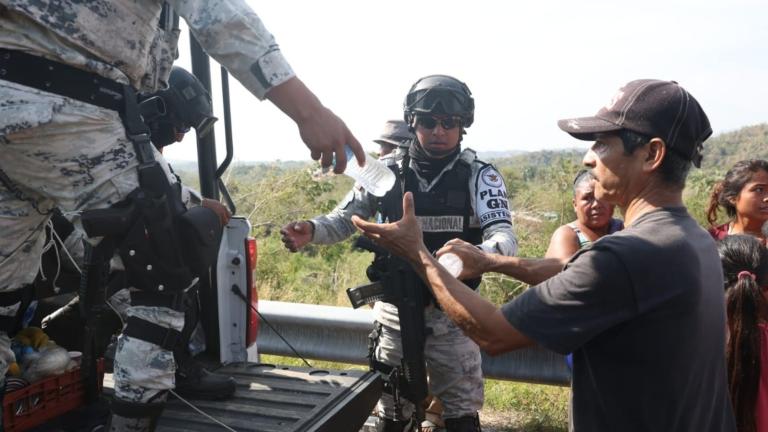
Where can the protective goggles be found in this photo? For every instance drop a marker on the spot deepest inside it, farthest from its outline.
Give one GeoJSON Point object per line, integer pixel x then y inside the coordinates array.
{"type": "Point", "coordinates": [428, 122]}
{"type": "Point", "coordinates": [439, 101]}
{"type": "Point", "coordinates": [205, 125]}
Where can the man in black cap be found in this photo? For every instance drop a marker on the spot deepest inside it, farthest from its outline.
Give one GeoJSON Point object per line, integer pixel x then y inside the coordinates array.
{"type": "Point", "coordinates": [642, 310]}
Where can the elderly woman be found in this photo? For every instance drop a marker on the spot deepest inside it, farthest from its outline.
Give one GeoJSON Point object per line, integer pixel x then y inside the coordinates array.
{"type": "Point", "coordinates": [594, 219]}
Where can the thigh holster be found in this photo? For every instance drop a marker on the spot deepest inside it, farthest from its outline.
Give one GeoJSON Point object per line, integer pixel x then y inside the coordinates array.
{"type": "Point", "coordinates": [163, 250]}
{"type": "Point", "coordinates": [151, 249]}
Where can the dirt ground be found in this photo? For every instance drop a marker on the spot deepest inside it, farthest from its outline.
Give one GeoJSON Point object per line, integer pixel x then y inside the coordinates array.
{"type": "Point", "coordinates": [510, 421]}
{"type": "Point", "coordinates": [496, 421]}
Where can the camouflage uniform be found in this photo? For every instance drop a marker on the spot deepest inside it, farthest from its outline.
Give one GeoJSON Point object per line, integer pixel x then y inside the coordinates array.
{"type": "Point", "coordinates": [60, 152]}
{"type": "Point", "coordinates": [453, 360]}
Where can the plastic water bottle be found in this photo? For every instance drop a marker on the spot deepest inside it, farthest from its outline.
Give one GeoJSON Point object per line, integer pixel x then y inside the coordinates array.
{"type": "Point", "coordinates": [374, 176]}
{"type": "Point", "coordinates": [452, 263]}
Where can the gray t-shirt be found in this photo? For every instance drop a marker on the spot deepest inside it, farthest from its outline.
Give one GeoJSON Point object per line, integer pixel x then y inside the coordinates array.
{"type": "Point", "coordinates": [643, 312]}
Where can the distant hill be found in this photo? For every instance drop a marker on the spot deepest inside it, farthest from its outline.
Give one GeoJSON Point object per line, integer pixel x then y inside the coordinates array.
{"type": "Point", "coordinates": [499, 154]}
{"type": "Point", "coordinates": [241, 168]}
{"type": "Point", "coordinates": [721, 151]}
{"type": "Point", "coordinates": [541, 158]}
{"type": "Point", "coordinates": [725, 149]}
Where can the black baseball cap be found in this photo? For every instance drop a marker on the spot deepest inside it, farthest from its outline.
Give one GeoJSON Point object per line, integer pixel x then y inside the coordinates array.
{"type": "Point", "coordinates": [654, 108]}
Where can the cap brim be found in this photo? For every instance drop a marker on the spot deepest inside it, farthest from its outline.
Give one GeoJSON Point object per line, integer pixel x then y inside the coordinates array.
{"type": "Point", "coordinates": [386, 142]}
{"type": "Point", "coordinates": [586, 128]}
{"type": "Point", "coordinates": [395, 143]}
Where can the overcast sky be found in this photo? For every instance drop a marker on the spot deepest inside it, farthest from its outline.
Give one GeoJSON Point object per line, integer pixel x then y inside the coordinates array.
{"type": "Point", "coordinates": [528, 64]}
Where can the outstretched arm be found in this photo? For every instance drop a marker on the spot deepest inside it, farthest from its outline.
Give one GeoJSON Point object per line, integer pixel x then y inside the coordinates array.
{"type": "Point", "coordinates": [477, 317]}
{"type": "Point", "coordinates": [532, 271]}
{"type": "Point", "coordinates": [232, 33]}
{"type": "Point", "coordinates": [321, 130]}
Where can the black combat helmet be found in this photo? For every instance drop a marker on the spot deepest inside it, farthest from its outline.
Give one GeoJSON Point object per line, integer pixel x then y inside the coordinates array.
{"type": "Point", "coordinates": [442, 95]}
{"type": "Point", "coordinates": [184, 104]}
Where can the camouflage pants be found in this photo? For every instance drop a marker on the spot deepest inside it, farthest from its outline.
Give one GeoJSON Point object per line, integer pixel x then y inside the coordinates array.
{"type": "Point", "coordinates": [453, 362]}
{"type": "Point", "coordinates": [63, 153]}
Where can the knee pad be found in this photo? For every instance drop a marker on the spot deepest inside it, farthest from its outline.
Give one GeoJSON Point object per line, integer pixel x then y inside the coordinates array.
{"type": "Point", "coordinates": [185, 302]}
{"type": "Point", "coordinates": [166, 338]}
{"type": "Point", "coordinates": [469, 423]}
{"type": "Point", "coordinates": [138, 328]}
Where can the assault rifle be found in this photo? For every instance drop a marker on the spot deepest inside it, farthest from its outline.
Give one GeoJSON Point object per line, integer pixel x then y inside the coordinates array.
{"type": "Point", "coordinates": [394, 281]}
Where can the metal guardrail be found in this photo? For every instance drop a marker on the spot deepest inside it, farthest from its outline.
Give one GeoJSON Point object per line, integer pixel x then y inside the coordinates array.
{"type": "Point", "coordinates": [340, 334]}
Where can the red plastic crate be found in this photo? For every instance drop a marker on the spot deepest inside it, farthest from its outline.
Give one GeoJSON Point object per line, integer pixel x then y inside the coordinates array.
{"type": "Point", "coordinates": [45, 399]}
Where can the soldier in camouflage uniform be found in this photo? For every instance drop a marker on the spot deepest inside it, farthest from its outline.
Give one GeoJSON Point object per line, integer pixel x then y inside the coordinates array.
{"type": "Point", "coordinates": [438, 109]}
{"type": "Point", "coordinates": [56, 151]}
{"type": "Point", "coordinates": [170, 113]}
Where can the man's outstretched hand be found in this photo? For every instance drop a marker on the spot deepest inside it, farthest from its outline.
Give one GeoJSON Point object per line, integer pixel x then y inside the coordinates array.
{"type": "Point", "coordinates": [402, 238]}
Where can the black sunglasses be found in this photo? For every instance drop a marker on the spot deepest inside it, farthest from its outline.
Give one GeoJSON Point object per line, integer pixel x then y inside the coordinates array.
{"type": "Point", "coordinates": [445, 122]}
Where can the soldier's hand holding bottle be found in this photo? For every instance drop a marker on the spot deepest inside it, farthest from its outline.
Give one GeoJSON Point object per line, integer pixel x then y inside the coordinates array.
{"type": "Point", "coordinates": [324, 133]}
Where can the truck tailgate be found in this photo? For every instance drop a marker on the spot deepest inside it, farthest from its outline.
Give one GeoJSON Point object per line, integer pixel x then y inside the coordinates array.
{"type": "Point", "coordinates": [283, 399]}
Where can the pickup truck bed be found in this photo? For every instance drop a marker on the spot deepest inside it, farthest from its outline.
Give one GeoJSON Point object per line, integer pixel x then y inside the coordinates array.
{"type": "Point", "coordinates": [282, 399]}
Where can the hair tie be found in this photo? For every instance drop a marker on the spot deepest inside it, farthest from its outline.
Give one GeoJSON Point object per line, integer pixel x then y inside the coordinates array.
{"type": "Point", "coordinates": [745, 274]}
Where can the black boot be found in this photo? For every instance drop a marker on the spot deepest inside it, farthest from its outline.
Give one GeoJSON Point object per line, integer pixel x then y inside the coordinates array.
{"type": "Point", "coordinates": [463, 424]}
{"type": "Point", "coordinates": [398, 425]}
{"type": "Point", "coordinates": [133, 416]}
{"type": "Point", "coordinates": [193, 381]}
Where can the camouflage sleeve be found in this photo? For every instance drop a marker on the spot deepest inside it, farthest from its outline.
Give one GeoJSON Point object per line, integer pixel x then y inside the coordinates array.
{"type": "Point", "coordinates": [190, 197]}
{"type": "Point", "coordinates": [499, 239]}
{"type": "Point", "coordinates": [337, 225]}
{"type": "Point", "coordinates": [489, 199]}
{"type": "Point", "coordinates": [232, 33]}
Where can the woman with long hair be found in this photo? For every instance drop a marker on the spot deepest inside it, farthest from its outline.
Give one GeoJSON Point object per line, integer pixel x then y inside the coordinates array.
{"type": "Point", "coordinates": [743, 194]}
{"type": "Point", "coordinates": [745, 271]}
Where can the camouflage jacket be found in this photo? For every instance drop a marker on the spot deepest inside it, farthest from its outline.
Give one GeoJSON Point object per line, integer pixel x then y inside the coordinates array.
{"type": "Point", "coordinates": [497, 237]}
{"type": "Point", "coordinates": [124, 40]}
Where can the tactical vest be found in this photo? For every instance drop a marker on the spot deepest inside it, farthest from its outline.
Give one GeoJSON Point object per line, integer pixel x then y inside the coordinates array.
{"type": "Point", "coordinates": [444, 212]}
